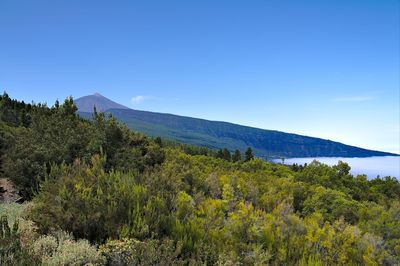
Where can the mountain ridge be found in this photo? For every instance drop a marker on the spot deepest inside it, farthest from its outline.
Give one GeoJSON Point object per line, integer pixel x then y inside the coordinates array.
{"type": "Point", "coordinates": [87, 103]}
{"type": "Point", "coordinates": [220, 134]}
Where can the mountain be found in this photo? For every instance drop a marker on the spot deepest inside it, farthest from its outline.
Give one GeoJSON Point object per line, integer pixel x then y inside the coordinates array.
{"type": "Point", "coordinates": [217, 135]}
{"type": "Point", "coordinates": [87, 103]}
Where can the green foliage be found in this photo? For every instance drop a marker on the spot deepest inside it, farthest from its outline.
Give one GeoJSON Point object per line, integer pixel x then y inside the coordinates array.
{"type": "Point", "coordinates": [249, 154]}
{"type": "Point", "coordinates": [224, 154]}
{"type": "Point", "coordinates": [237, 156]}
{"type": "Point", "coordinates": [332, 204]}
{"type": "Point", "coordinates": [379, 190]}
{"type": "Point", "coordinates": [219, 212]}
{"type": "Point", "coordinates": [62, 249]}
{"type": "Point", "coordinates": [9, 242]}
{"type": "Point", "coordinates": [11, 251]}
{"type": "Point", "coordinates": [13, 211]}
{"type": "Point", "coordinates": [13, 112]}
{"type": "Point", "coordinates": [93, 204]}
{"type": "Point", "coordinates": [56, 135]}
{"type": "Point", "coordinates": [134, 252]}
{"type": "Point", "coordinates": [153, 202]}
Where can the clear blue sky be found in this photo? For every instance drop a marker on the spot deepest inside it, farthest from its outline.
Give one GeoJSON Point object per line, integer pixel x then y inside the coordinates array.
{"type": "Point", "coordinates": [328, 69]}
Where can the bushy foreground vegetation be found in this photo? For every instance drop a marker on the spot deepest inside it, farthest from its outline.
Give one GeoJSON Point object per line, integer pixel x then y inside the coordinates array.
{"type": "Point", "coordinates": [103, 195]}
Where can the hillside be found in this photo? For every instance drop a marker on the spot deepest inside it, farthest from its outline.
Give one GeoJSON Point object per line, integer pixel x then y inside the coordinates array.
{"type": "Point", "coordinates": [217, 135]}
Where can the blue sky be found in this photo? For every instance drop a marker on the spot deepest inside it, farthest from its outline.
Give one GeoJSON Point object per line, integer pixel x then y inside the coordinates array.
{"type": "Point", "coordinates": [327, 69]}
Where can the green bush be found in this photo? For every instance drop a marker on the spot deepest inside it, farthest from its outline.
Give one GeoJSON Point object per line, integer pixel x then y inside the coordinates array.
{"type": "Point", "coordinates": [11, 251]}
{"type": "Point", "coordinates": [61, 249]}
{"type": "Point", "coordinates": [13, 211]}
{"type": "Point", "coordinates": [145, 253]}
{"type": "Point", "coordinates": [96, 205]}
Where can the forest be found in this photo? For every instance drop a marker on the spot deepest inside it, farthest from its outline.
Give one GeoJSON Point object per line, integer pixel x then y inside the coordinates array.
{"type": "Point", "coordinates": [97, 193]}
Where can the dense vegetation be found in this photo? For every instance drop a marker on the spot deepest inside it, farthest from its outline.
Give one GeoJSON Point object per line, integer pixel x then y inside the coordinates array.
{"type": "Point", "coordinates": [219, 135]}
{"type": "Point", "coordinates": [102, 194]}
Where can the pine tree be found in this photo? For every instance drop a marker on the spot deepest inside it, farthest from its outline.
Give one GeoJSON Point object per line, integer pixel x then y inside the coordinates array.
{"type": "Point", "coordinates": [158, 141]}
{"type": "Point", "coordinates": [227, 155]}
{"type": "Point", "coordinates": [249, 154]}
{"type": "Point", "coordinates": [237, 156]}
{"type": "Point", "coordinates": [220, 154]}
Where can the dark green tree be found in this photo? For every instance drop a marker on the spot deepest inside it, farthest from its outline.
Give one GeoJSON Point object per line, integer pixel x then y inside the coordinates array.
{"type": "Point", "coordinates": [69, 108]}
{"type": "Point", "coordinates": [158, 141]}
{"type": "Point", "coordinates": [227, 155]}
{"type": "Point", "coordinates": [249, 154]}
{"type": "Point", "coordinates": [220, 154]}
{"type": "Point", "coordinates": [237, 156]}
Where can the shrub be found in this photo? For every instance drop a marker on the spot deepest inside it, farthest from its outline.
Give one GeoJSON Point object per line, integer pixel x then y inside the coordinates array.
{"type": "Point", "coordinates": [96, 205]}
{"type": "Point", "coordinates": [135, 252]}
{"type": "Point", "coordinates": [62, 249]}
{"type": "Point", "coordinates": [45, 246]}
{"type": "Point", "coordinates": [12, 210]}
{"type": "Point", "coordinates": [11, 252]}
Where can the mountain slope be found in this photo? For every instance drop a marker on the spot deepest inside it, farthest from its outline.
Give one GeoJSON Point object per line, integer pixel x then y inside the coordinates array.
{"type": "Point", "coordinates": [213, 134]}
{"type": "Point", "coordinates": [86, 103]}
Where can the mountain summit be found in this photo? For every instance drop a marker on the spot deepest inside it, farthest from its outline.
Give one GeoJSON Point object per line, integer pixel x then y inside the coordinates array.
{"type": "Point", "coordinates": [219, 135]}
{"type": "Point", "coordinates": [87, 103]}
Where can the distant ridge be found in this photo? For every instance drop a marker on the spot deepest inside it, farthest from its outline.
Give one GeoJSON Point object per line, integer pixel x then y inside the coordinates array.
{"type": "Point", "coordinates": [213, 134]}
{"type": "Point", "coordinates": [87, 103]}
